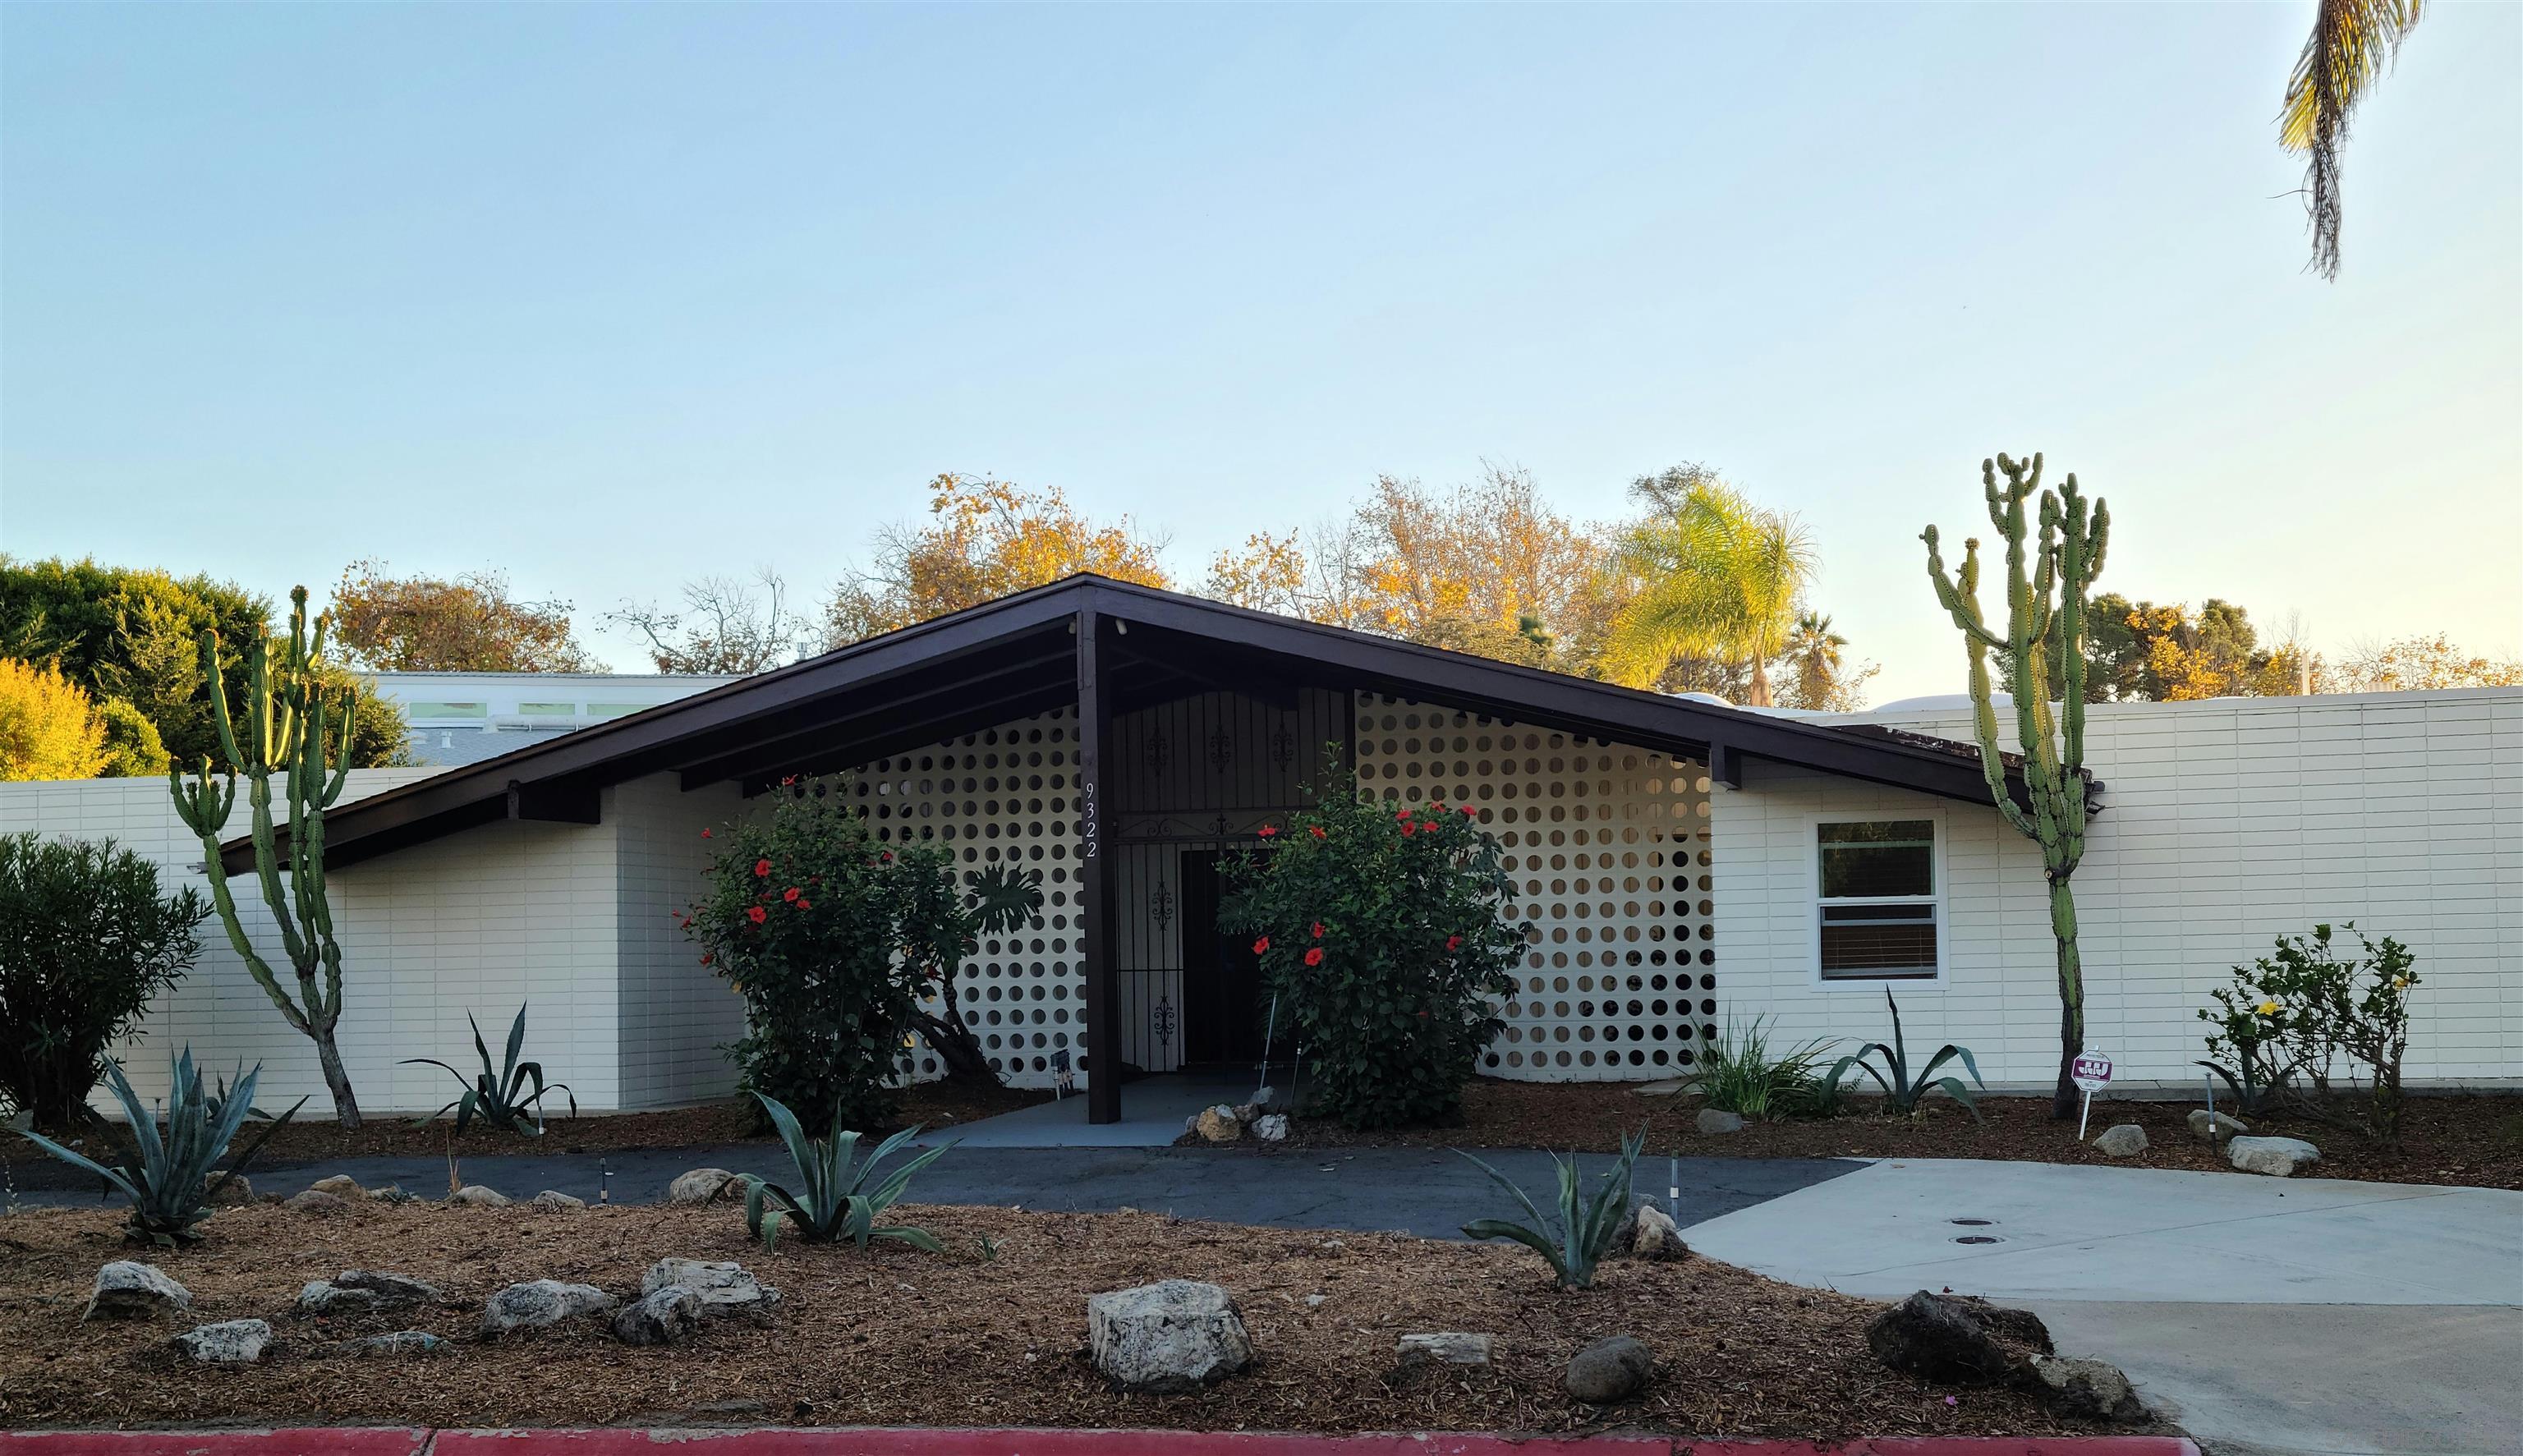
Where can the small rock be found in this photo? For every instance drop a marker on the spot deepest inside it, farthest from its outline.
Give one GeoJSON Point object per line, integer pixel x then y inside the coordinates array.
{"type": "Point", "coordinates": [1272, 1127]}
{"type": "Point", "coordinates": [1267, 1100]}
{"type": "Point", "coordinates": [702, 1186]}
{"type": "Point", "coordinates": [1128, 1209]}
{"type": "Point", "coordinates": [235, 1193]}
{"type": "Point", "coordinates": [1715, 1122]}
{"type": "Point", "coordinates": [2215, 1127]}
{"type": "Point", "coordinates": [2123, 1139]}
{"type": "Point", "coordinates": [1219, 1124]}
{"type": "Point", "coordinates": [227, 1342]}
{"type": "Point", "coordinates": [663, 1316]}
{"type": "Point", "coordinates": [358, 1291]}
{"type": "Point", "coordinates": [2278, 1158]}
{"type": "Point", "coordinates": [1609, 1369]}
{"type": "Point", "coordinates": [1669, 1086]}
{"type": "Point", "coordinates": [2085, 1389]}
{"type": "Point", "coordinates": [1658, 1238]}
{"type": "Point", "coordinates": [319, 1203]}
{"type": "Point", "coordinates": [1248, 1114]}
{"type": "Point", "coordinates": [475, 1196]}
{"type": "Point", "coordinates": [340, 1186]}
{"type": "Point", "coordinates": [538, 1303]}
{"type": "Point", "coordinates": [1421, 1352]}
{"type": "Point", "coordinates": [1956, 1339]}
{"type": "Point", "coordinates": [1167, 1338]}
{"type": "Point", "coordinates": [377, 1346]}
{"type": "Point", "coordinates": [724, 1287]}
{"type": "Point", "coordinates": [1316, 1301]}
{"type": "Point", "coordinates": [392, 1193]}
{"type": "Point", "coordinates": [1191, 1125]}
{"type": "Point", "coordinates": [552, 1201]}
{"type": "Point", "coordinates": [127, 1289]}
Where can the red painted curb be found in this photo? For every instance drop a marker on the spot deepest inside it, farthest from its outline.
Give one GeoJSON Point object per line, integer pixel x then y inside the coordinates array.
{"type": "Point", "coordinates": [929, 1441]}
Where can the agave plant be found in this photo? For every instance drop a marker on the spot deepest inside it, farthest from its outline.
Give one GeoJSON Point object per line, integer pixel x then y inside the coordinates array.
{"type": "Point", "coordinates": [833, 1201]}
{"type": "Point", "coordinates": [1902, 1091]}
{"type": "Point", "coordinates": [1579, 1237]}
{"type": "Point", "coordinates": [493, 1095]}
{"type": "Point", "coordinates": [168, 1177]}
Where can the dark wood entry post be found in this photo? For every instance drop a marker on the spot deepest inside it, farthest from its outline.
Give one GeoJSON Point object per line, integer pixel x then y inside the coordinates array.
{"type": "Point", "coordinates": [1095, 881]}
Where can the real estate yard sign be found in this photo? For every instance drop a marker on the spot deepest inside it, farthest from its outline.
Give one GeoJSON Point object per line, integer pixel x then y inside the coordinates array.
{"type": "Point", "coordinates": [2091, 1072]}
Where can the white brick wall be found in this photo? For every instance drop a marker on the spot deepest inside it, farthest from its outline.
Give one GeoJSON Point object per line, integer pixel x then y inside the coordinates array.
{"type": "Point", "coordinates": [2226, 823]}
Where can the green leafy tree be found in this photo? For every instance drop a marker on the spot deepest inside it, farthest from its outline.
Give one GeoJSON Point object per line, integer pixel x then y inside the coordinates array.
{"type": "Point", "coordinates": [1708, 575]}
{"type": "Point", "coordinates": [1383, 932]}
{"type": "Point", "coordinates": [135, 634]}
{"type": "Point", "coordinates": [2049, 574]}
{"type": "Point", "coordinates": [88, 939]}
{"type": "Point", "coordinates": [470, 624]}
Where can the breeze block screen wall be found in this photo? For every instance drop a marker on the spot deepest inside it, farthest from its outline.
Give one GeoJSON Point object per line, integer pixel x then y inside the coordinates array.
{"type": "Point", "coordinates": [1610, 849]}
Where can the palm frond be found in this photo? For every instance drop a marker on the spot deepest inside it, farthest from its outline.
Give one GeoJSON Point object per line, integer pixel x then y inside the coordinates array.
{"type": "Point", "coordinates": [2352, 44]}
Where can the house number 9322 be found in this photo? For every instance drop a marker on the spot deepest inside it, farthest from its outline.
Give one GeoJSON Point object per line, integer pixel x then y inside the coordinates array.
{"type": "Point", "coordinates": [1090, 827]}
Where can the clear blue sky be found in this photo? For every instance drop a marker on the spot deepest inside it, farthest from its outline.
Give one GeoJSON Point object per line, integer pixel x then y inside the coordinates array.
{"type": "Point", "coordinates": [612, 297]}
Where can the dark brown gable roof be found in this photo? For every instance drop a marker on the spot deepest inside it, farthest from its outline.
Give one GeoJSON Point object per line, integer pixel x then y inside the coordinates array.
{"type": "Point", "coordinates": [1016, 657]}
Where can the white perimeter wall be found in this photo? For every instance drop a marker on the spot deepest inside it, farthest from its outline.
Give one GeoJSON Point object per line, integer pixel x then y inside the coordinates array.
{"type": "Point", "coordinates": [2226, 823]}
{"type": "Point", "coordinates": [572, 920]}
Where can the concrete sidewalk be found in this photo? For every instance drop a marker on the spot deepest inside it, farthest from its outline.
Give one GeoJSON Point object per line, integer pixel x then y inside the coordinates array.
{"type": "Point", "coordinates": [2311, 1316]}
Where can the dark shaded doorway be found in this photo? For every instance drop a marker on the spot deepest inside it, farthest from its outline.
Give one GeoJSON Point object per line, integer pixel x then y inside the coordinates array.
{"type": "Point", "coordinates": [1222, 1012]}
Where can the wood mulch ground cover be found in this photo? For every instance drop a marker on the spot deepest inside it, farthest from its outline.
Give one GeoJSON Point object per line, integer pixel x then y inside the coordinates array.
{"type": "Point", "coordinates": [897, 1336]}
{"type": "Point", "coordinates": [312, 1136]}
{"type": "Point", "coordinates": [2474, 1141]}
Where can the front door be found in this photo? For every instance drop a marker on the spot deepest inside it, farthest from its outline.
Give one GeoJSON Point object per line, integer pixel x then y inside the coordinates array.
{"type": "Point", "coordinates": [1223, 1013]}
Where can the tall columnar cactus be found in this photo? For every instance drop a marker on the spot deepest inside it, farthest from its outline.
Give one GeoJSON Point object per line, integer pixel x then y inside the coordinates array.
{"type": "Point", "coordinates": [285, 732]}
{"type": "Point", "coordinates": [2045, 611]}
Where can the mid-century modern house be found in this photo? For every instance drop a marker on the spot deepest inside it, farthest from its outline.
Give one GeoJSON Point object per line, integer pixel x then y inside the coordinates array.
{"type": "Point", "coordinates": [464, 718]}
{"type": "Point", "coordinates": [1678, 861]}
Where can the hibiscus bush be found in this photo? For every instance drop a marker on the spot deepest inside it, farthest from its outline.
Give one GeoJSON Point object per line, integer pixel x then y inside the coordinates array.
{"type": "Point", "coordinates": [1382, 930]}
{"type": "Point", "coordinates": [805, 918]}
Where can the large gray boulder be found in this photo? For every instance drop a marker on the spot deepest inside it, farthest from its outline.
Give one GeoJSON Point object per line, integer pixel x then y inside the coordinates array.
{"type": "Point", "coordinates": [1414, 1353]}
{"type": "Point", "coordinates": [1219, 1124]}
{"type": "Point", "coordinates": [1656, 1237]}
{"type": "Point", "coordinates": [2278, 1158]}
{"type": "Point", "coordinates": [1716, 1123]}
{"type": "Point", "coordinates": [1272, 1127]}
{"type": "Point", "coordinates": [704, 1186]}
{"type": "Point", "coordinates": [2084, 1390]}
{"type": "Point", "coordinates": [127, 1289]}
{"type": "Point", "coordinates": [723, 1287]}
{"type": "Point", "coordinates": [552, 1201]}
{"type": "Point", "coordinates": [475, 1196]}
{"type": "Point", "coordinates": [2126, 1140]}
{"type": "Point", "coordinates": [541, 1303]}
{"type": "Point", "coordinates": [359, 1290]}
{"type": "Point", "coordinates": [340, 1186]}
{"type": "Point", "coordinates": [1956, 1339]}
{"type": "Point", "coordinates": [1167, 1338]}
{"type": "Point", "coordinates": [318, 1201]}
{"type": "Point", "coordinates": [662, 1316]}
{"type": "Point", "coordinates": [228, 1342]}
{"type": "Point", "coordinates": [382, 1346]}
{"type": "Point", "coordinates": [2215, 1127]}
{"type": "Point", "coordinates": [1609, 1369]}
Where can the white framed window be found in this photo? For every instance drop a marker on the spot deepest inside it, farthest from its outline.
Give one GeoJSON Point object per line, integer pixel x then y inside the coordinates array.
{"type": "Point", "coordinates": [1879, 908]}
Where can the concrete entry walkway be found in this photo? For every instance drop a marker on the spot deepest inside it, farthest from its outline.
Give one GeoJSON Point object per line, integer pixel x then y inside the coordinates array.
{"type": "Point", "coordinates": [1153, 1110]}
{"type": "Point", "coordinates": [2311, 1316]}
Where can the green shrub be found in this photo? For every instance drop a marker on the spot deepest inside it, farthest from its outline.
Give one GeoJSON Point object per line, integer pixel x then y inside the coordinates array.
{"type": "Point", "coordinates": [171, 1177]}
{"type": "Point", "coordinates": [1576, 1241]}
{"type": "Point", "coordinates": [87, 940]}
{"type": "Point", "coordinates": [1735, 1073]}
{"type": "Point", "coordinates": [1381, 930]}
{"type": "Point", "coordinates": [833, 1201]}
{"type": "Point", "coordinates": [2305, 1008]}
{"type": "Point", "coordinates": [833, 936]}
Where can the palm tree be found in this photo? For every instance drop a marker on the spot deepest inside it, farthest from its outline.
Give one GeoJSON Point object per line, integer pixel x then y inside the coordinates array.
{"type": "Point", "coordinates": [1814, 650]}
{"type": "Point", "coordinates": [1711, 575]}
{"type": "Point", "coordinates": [2353, 41]}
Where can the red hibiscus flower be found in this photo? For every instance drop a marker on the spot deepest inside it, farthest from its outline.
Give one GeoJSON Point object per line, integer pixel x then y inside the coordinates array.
{"type": "Point", "coordinates": [790, 894]}
{"type": "Point", "coordinates": [757, 914]}
{"type": "Point", "coordinates": [705, 833]}
{"type": "Point", "coordinates": [1403, 816]}
{"type": "Point", "coordinates": [1408, 828]}
{"type": "Point", "coordinates": [1314, 957]}
{"type": "Point", "coordinates": [1318, 831]}
{"type": "Point", "coordinates": [1319, 930]}
{"type": "Point", "coordinates": [1453, 942]}
{"type": "Point", "coordinates": [1261, 945]}
{"type": "Point", "coordinates": [1269, 830]}
{"type": "Point", "coordinates": [1468, 811]}
{"type": "Point", "coordinates": [707, 958]}
{"type": "Point", "coordinates": [762, 869]}
{"type": "Point", "coordinates": [805, 905]}
{"type": "Point", "coordinates": [886, 859]}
